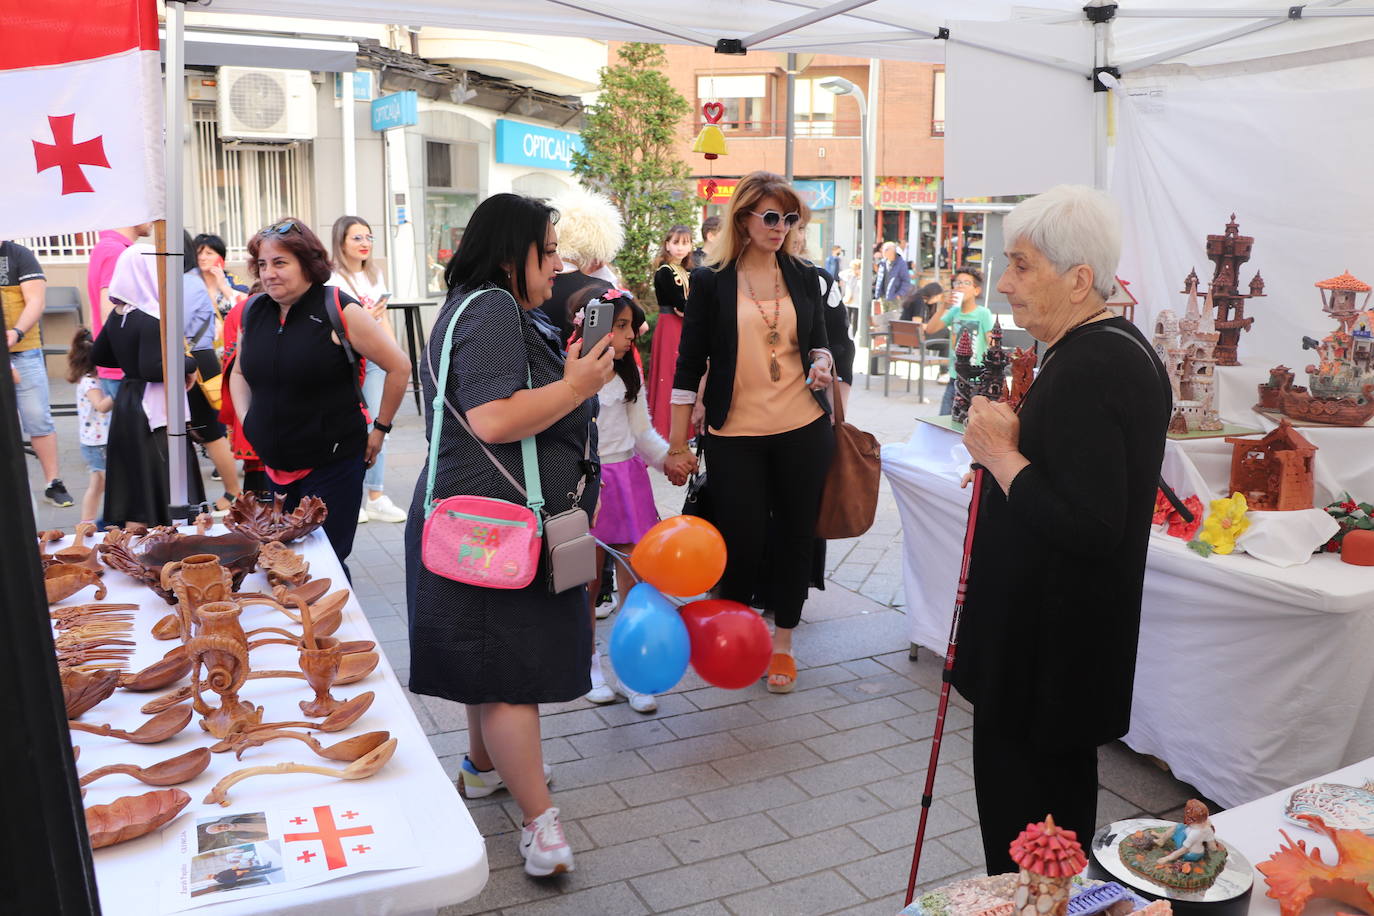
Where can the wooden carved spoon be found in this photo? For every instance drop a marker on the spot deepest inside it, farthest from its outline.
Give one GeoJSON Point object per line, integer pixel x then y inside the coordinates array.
{"type": "Point", "coordinates": [351, 711]}
{"type": "Point", "coordinates": [347, 750]}
{"type": "Point", "coordinates": [171, 772]}
{"type": "Point", "coordinates": [159, 728]}
{"type": "Point", "coordinates": [353, 669]}
{"type": "Point", "coordinates": [175, 666]}
{"type": "Point", "coordinates": [361, 768]}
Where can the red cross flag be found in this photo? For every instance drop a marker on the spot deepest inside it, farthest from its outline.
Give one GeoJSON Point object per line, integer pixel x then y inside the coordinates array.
{"type": "Point", "coordinates": [82, 144]}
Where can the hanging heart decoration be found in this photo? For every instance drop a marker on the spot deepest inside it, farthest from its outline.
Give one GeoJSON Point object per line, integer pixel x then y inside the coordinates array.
{"type": "Point", "coordinates": [713, 111]}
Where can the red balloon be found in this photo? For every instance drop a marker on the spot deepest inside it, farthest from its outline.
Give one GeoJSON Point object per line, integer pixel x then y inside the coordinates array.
{"type": "Point", "coordinates": [731, 645]}
{"type": "Point", "coordinates": [683, 556]}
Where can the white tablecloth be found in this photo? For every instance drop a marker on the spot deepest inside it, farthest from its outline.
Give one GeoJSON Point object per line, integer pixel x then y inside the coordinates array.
{"type": "Point", "coordinates": [450, 852]}
{"type": "Point", "coordinates": [1253, 829]}
{"type": "Point", "coordinates": [1250, 677]}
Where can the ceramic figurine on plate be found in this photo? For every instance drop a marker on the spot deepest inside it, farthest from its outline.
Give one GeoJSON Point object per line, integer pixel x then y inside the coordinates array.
{"type": "Point", "coordinates": [1187, 856]}
{"type": "Point", "coordinates": [1296, 877]}
{"type": "Point", "coordinates": [1187, 348]}
{"type": "Point", "coordinates": [1049, 856]}
{"type": "Point", "coordinates": [1275, 471]}
{"type": "Point", "coordinates": [1228, 252]}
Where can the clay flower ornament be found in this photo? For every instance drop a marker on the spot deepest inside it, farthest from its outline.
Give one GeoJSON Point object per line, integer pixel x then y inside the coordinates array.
{"type": "Point", "coordinates": [1226, 522]}
{"type": "Point", "coordinates": [1350, 515]}
{"type": "Point", "coordinates": [1165, 514]}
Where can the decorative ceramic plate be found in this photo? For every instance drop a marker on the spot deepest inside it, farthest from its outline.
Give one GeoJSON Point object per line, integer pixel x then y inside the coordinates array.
{"type": "Point", "coordinates": [1234, 881]}
{"type": "Point", "coordinates": [1346, 807]}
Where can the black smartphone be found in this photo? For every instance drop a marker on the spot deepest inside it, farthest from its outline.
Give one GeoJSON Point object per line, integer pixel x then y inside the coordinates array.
{"type": "Point", "coordinates": [597, 320]}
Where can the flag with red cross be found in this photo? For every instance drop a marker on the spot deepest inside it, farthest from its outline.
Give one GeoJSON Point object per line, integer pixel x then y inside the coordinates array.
{"type": "Point", "coordinates": [81, 147]}
{"type": "Point", "coordinates": [323, 840]}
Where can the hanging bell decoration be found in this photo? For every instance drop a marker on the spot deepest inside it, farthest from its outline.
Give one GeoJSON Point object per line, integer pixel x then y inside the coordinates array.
{"type": "Point", "coordinates": [711, 140]}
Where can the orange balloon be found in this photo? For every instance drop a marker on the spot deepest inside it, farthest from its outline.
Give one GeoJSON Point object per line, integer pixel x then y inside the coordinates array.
{"type": "Point", "coordinates": [681, 556]}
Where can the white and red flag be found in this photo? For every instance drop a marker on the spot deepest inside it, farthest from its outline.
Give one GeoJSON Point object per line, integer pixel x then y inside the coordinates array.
{"type": "Point", "coordinates": [82, 144]}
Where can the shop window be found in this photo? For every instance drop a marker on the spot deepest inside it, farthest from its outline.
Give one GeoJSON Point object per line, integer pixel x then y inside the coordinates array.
{"type": "Point", "coordinates": [244, 187]}
{"type": "Point", "coordinates": [745, 98]}
{"type": "Point", "coordinates": [451, 194]}
{"type": "Point", "coordinates": [814, 111]}
{"type": "Point", "coordinates": [937, 106]}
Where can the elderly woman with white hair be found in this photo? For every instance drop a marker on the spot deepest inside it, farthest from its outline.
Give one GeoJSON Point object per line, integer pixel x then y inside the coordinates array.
{"type": "Point", "coordinates": [1047, 643]}
{"type": "Point", "coordinates": [590, 234]}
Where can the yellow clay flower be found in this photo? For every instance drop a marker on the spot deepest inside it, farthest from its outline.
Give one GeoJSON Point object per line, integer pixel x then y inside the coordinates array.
{"type": "Point", "coordinates": [1226, 522]}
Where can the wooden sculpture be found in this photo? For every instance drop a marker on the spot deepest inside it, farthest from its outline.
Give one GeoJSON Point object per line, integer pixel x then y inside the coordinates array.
{"type": "Point", "coordinates": [1274, 472]}
{"type": "Point", "coordinates": [44, 539]}
{"type": "Point", "coordinates": [171, 772]}
{"type": "Point", "coordinates": [354, 667]}
{"type": "Point", "coordinates": [284, 567]}
{"type": "Point", "coordinates": [1228, 251]}
{"type": "Point", "coordinates": [347, 750]}
{"type": "Point", "coordinates": [1022, 374]}
{"type": "Point", "coordinates": [219, 655]}
{"type": "Point", "coordinates": [133, 816]}
{"type": "Point", "coordinates": [64, 580]}
{"type": "Point", "coordinates": [265, 522]}
{"type": "Point", "coordinates": [83, 690]}
{"type": "Point", "coordinates": [172, 668]}
{"type": "Point", "coordinates": [236, 552]}
{"type": "Point", "coordinates": [193, 582]}
{"type": "Point", "coordinates": [319, 661]}
{"type": "Point", "coordinates": [78, 554]}
{"type": "Point", "coordinates": [361, 768]}
{"type": "Point", "coordinates": [157, 729]}
{"type": "Point", "coordinates": [1049, 856]}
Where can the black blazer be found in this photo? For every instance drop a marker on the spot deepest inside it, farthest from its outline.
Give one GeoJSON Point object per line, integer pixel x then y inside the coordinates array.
{"type": "Point", "coordinates": [710, 331]}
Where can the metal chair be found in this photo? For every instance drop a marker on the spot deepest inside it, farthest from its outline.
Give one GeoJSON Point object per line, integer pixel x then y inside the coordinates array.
{"type": "Point", "coordinates": [61, 300]}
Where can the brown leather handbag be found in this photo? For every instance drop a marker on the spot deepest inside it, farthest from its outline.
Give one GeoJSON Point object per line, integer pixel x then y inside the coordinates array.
{"type": "Point", "coordinates": [850, 498]}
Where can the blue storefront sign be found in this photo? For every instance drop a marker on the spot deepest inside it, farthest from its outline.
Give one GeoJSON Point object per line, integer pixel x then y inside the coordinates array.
{"type": "Point", "coordinates": [400, 109]}
{"type": "Point", "coordinates": [818, 195]}
{"type": "Point", "coordinates": [542, 147]}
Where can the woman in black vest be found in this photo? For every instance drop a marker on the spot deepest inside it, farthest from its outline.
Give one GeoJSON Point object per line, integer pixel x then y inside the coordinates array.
{"type": "Point", "coordinates": [295, 390]}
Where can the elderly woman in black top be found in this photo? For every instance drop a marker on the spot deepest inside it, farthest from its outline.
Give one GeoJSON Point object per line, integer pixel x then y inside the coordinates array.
{"type": "Point", "coordinates": [294, 388]}
{"type": "Point", "coordinates": [504, 651]}
{"type": "Point", "coordinates": [755, 312]}
{"type": "Point", "coordinates": [1053, 606]}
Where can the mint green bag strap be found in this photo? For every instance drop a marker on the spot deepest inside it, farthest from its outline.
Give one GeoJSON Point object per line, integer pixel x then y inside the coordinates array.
{"type": "Point", "coordinates": [534, 498]}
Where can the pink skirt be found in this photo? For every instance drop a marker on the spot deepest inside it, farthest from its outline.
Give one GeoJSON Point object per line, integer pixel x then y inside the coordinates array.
{"type": "Point", "coordinates": [627, 508]}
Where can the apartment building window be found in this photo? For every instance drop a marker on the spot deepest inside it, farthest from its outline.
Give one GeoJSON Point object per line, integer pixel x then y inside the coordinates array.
{"type": "Point", "coordinates": [815, 110]}
{"type": "Point", "coordinates": [69, 248]}
{"type": "Point", "coordinates": [745, 98]}
{"type": "Point", "coordinates": [243, 187]}
{"type": "Point", "coordinates": [451, 193]}
{"type": "Point", "coordinates": [937, 106]}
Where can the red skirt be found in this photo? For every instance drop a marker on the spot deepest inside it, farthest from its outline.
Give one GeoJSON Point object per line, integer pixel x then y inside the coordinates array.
{"type": "Point", "coordinates": [662, 365]}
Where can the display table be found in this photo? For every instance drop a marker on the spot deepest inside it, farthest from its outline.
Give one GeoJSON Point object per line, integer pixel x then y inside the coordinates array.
{"type": "Point", "coordinates": [449, 851]}
{"type": "Point", "coordinates": [1253, 829]}
{"type": "Point", "coordinates": [1249, 677]}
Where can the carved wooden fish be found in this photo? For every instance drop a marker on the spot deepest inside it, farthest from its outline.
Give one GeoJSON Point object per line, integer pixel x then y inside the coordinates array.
{"type": "Point", "coordinates": [1340, 806]}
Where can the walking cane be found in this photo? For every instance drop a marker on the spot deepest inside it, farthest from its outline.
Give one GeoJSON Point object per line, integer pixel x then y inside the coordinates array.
{"type": "Point", "coordinates": [945, 677]}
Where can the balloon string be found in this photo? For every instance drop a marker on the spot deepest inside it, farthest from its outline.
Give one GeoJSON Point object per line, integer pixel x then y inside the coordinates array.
{"type": "Point", "coordinates": [625, 558]}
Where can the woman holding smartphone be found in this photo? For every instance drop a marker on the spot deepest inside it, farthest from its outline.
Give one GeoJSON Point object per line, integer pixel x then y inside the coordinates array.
{"type": "Point", "coordinates": [359, 275]}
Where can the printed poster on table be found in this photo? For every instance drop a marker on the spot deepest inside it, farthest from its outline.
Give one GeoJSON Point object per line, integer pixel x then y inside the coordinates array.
{"type": "Point", "coordinates": [247, 852]}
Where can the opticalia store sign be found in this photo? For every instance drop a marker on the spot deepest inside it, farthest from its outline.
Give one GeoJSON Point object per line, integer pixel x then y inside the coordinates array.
{"type": "Point", "coordinates": [816, 194]}
{"type": "Point", "coordinates": [542, 147]}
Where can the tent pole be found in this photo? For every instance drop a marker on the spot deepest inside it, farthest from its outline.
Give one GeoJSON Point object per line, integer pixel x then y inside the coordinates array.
{"type": "Point", "coordinates": [1101, 41]}
{"type": "Point", "coordinates": [791, 129]}
{"type": "Point", "coordinates": [685, 35]}
{"type": "Point", "coordinates": [350, 149]}
{"type": "Point", "coordinates": [1280, 14]}
{"type": "Point", "coordinates": [1224, 37]}
{"type": "Point", "coordinates": [802, 21]}
{"type": "Point", "coordinates": [173, 323]}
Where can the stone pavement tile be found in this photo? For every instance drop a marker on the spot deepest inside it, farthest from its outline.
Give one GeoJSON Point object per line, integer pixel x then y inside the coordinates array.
{"type": "Point", "coordinates": [715, 697]}
{"type": "Point", "coordinates": [822, 676]}
{"type": "Point", "coordinates": [576, 804]}
{"type": "Point", "coordinates": [760, 795]}
{"type": "Point", "coordinates": [624, 738]}
{"type": "Point", "coordinates": [881, 587]}
{"type": "Point", "coordinates": [863, 667]}
{"type": "Point", "coordinates": [836, 601]}
{"type": "Point", "coordinates": [828, 641]}
{"type": "Point", "coordinates": [607, 864]}
{"type": "Point", "coordinates": [491, 817]}
{"type": "Point", "coordinates": [1138, 780]}
{"type": "Point", "coordinates": [503, 851]}
{"type": "Point", "coordinates": [707, 721]}
{"type": "Point", "coordinates": [781, 731]}
{"type": "Point", "coordinates": [886, 684]}
{"type": "Point", "coordinates": [449, 744]}
{"type": "Point", "coordinates": [967, 844]}
{"type": "Point", "coordinates": [553, 709]}
{"type": "Point", "coordinates": [1112, 807]}
{"type": "Point", "coordinates": [735, 835]}
{"type": "Point", "coordinates": [594, 770]}
{"type": "Point", "coordinates": [804, 855]}
{"type": "Point", "coordinates": [862, 554]}
{"type": "Point", "coordinates": [669, 704]}
{"type": "Point", "coordinates": [851, 576]}
{"type": "Point", "coordinates": [922, 724]}
{"type": "Point", "coordinates": [388, 628]}
{"type": "Point", "coordinates": [397, 652]}
{"type": "Point", "coordinates": [967, 803]}
{"type": "Point", "coordinates": [421, 713]}
{"type": "Point", "coordinates": [695, 883]}
{"type": "Point", "coordinates": [709, 908]}
{"type": "Point", "coordinates": [855, 741]}
{"type": "Point", "coordinates": [562, 724]}
{"type": "Point", "coordinates": [558, 750]}
{"type": "Point", "coordinates": [641, 822]}
{"type": "Point", "coordinates": [920, 699]}
{"type": "Point", "coordinates": [768, 762]}
{"type": "Point", "coordinates": [817, 814]}
{"type": "Point", "coordinates": [509, 887]}
{"type": "Point", "coordinates": [810, 699]}
{"type": "Point", "coordinates": [898, 828]}
{"type": "Point", "coordinates": [384, 574]}
{"type": "Point", "coordinates": [866, 712]}
{"type": "Point", "coordinates": [687, 751]}
{"type": "Point", "coordinates": [827, 778]}
{"type": "Point", "coordinates": [810, 896]}
{"type": "Point", "coordinates": [447, 715]}
{"type": "Point", "coordinates": [883, 906]}
{"type": "Point", "coordinates": [915, 755]}
{"type": "Point", "coordinates": [645, 790]}
{"type": "Point", "coordinates": [884, 875]}
{"type": "Point", "coordinates": [605, 900]}
{"type": "Point", "coordinates": [451, 765]}
{"type": "Point", "coordinates": [901, 791]}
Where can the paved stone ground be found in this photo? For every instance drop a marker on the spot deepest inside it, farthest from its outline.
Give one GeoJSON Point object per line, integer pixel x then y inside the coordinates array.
{"type": "Point", "coordinates": [735, 802]}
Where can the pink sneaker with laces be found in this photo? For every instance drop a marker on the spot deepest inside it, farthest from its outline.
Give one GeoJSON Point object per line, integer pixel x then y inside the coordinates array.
{"type": "Point", "coordinates": [544, 846]}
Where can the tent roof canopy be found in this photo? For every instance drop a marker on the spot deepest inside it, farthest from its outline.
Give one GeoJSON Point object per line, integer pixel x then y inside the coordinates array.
{"type": "Point", "coordinates": [1145, 32]}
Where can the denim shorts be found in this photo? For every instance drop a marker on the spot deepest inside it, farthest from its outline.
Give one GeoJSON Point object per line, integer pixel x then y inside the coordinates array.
{"type": "Point", "coordinates": [94, 456]}
{"type": "Point", "coordinates": [35, 416]}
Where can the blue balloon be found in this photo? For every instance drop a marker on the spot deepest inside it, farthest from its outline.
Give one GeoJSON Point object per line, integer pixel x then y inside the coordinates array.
{"type": "Point", "coordinates": [649, 643]}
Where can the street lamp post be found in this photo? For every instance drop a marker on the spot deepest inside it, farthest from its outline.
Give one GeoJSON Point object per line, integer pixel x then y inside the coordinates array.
{"type": "Point", "coordinates": [841, 86]}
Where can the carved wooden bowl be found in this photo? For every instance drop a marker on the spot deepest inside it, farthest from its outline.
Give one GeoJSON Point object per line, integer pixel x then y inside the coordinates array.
{"type": "Point", "coordinates": [133, 816]}
{"type": "Point", "coordinates": [265, 522]}
{"type": "Point", "coordinates": [82, 690]}
{"type": "Point", "coordinates": [236, 552]}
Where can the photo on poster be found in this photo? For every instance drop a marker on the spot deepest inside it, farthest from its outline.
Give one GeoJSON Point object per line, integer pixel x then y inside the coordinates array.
{"type": "Point", "coordinates": [236, 867]}
{"type": "Point", "coordinates": [230, 830]}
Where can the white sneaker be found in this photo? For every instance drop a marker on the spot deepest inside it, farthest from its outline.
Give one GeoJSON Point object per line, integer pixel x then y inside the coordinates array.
{"type": "Point", "coordinates": [382, 509]}
{"type": "Point", "coordinates": [601, 692]}
{"type": "Point", "coordinates": [605, 609]}
{"type": "Point", "coordinates": [474, 783]}
{"type": "Point", "coordinates": [639, 702]}
{"type": "Point", "coordinates": [362, 514]}
{"type": "Point", "coordinates": [544, 846]}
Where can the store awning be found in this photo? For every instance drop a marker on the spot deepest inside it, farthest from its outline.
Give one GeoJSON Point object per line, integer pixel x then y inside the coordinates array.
{"type": "Point", "coordinates": [225, 48]}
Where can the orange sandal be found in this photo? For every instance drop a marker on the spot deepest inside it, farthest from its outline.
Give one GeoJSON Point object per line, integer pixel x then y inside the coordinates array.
{"type": "Point", "coordinates": [782, 665]}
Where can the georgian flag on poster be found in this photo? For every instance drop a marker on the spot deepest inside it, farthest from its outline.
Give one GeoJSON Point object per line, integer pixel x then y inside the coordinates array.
{"type": "Point", "coordinates": [81, 147]}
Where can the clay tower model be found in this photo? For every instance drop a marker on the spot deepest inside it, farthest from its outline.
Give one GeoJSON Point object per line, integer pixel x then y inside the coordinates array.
{"type": "Point", "coordinates": [992, 381]}
{"type": "Point", "coordinates": [965, 377]}
{"type": "Point", "coordinates": [1048, 856]}
{"type": "Point", "coordinates": [1228, 252]}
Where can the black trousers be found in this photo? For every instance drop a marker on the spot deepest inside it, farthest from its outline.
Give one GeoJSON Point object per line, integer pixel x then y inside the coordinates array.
{"type": "Point", "coordinates": [340, 485]}
{"type": "Point", "coordinates": [1017, 783]}
{"type": "Point", "coordinates": [762, 485]}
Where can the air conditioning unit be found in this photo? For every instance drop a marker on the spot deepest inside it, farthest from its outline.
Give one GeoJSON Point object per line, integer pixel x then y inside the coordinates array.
{"type": "Point", "coordinates": [260, 104]}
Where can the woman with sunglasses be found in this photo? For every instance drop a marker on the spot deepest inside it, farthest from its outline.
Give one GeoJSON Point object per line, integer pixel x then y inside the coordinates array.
{"type": "Point", "coordinates": [296, 390]}
{"type": "Point", "coordinates": [755, 313]}
{"type": "Point", "coordinates": [357, 273]}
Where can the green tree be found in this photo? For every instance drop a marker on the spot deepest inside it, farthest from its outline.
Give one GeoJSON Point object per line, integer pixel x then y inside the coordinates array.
{"type": "Point", "coordinates": [630, 153]}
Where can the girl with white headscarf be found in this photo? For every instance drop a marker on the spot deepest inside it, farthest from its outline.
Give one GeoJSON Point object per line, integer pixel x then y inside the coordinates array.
{"type": "Point", "coordinates": [131, 340]}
